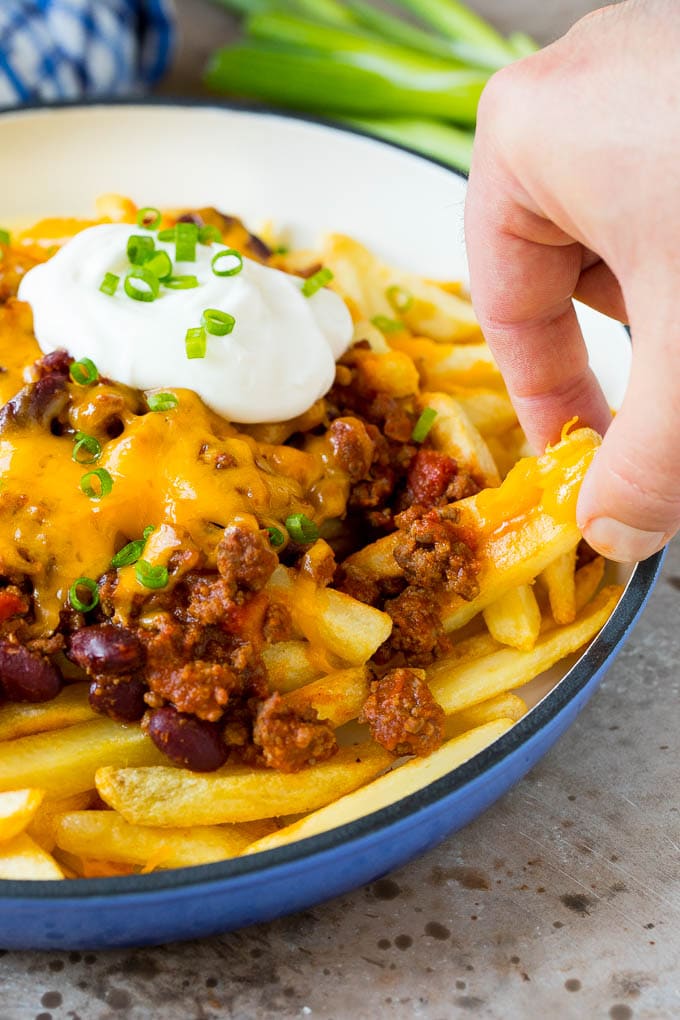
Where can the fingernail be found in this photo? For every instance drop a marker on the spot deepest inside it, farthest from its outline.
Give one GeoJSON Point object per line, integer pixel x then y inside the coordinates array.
{"type": "Point", "coordinates": [618, 541]}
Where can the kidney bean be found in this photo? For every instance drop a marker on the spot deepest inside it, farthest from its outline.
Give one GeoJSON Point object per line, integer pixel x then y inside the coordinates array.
{"type": "Point", "coordinates": [120, 698]}
{"type": "Point", "coordinates": [186, 740]}
{"type": "Point", "coordinates": [27, 676]}
{"type": "Point", "coordinates": [40, 401]}
{"type": "Point", "coordinates": [106, 649]}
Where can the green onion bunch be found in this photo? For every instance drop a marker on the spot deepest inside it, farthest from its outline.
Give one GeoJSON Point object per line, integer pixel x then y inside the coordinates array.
{"type": "Point", "coordinates": [416, 82]}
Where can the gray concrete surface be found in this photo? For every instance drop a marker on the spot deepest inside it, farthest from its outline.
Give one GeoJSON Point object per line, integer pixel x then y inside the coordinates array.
{"type": "Point", "coordinates": [563, 901]}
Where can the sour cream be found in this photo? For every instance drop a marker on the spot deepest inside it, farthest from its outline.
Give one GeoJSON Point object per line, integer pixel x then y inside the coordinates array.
{"type": "Point", "coordinates": [279, 358]}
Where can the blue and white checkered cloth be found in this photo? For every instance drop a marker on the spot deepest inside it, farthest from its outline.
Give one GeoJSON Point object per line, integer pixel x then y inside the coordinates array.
{"type": "Point", "coordinates": [66, 49]}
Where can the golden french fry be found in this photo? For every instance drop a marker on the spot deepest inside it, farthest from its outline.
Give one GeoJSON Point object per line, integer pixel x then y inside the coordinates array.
{"type": "Point", "coordinates": [22, 859]}
{"type": "Point", "coordinates": [104, 835]}
{"type": "Point", "coordinates": [69, 707]}
{"type": "Point", "coordinates": [457, 686]}
{"type": "Point", "coordinates": [64, 762]}
{"type": "Point", "coordinates": [454, 434]}
{"type": "Point", "coordinates": [394, 785]}
{"type": "Point", "coordinates": [505, 706]}
{"type": "Point", "coordinates": [587, 580]}
{"type": "Point", "coordinates": [291, 664]}
{"type": "Point", "coordinates": [17, 808]}
{"type": "Point", "coordinates": [444, 366]}
{"type": "Point", "coordinates": [515, 619]}
{"type": "Point", "coordinates": [508, 448]}
{"type": "Point", "coordinates": [490, 410]}
{"type": "Point", "coordinates": [169, 797]}
{"type": "Point", "coordinates": [337, 697]}
{"type": "Point", "coordinates": [558, 578]}
{"type": "Point", "coordinates": [43, 826]}
{"type": "Point", "coordinates": [392, 372]}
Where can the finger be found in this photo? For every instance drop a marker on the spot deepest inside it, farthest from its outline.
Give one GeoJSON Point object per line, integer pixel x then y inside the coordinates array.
{"type": "Point", "coordinates": [598, 287]}
{"type": "Point", "coordinates": [629, 504]}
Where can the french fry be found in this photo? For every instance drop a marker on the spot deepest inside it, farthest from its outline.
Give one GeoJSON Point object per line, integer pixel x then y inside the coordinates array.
{"type": "Point", "coordinates": [337, 697]}
{"type": "Point", "coordinates": [64, 762]}
{"type": "Point", "coordinates": [291, 664]}
{"type": "Point", "coordinates": [67, 709]}
{"type": "Point", "coordinates": [392, 372]}
{"type": "Point", "coordinates": [21, 859]}
{"type": "Point", "coordinates": [505, 706]}
{"type": "Point", "coordinates": [558, 578]}
{"type": "Point", "coordinates": [490, 411]}
{"type": "Point", "coordinates": [587, 580]}
{"type": "Point", "coordinates": [17, 808]}
{"type": "Point", "coordinates": [515, 619]}
{"type": "Point", "coordinates": [444, 366]}
{"type": "Point", "coordinates": [394, 785]}
{"type": "Point", "coordinates": [508, 448]}
{"type": "Point", "coordinates": [43, 826]}
{"type": "Point", "coordinates": [104, 835]}
{"type": "Point", "coordinates": [457, 686]}
{"type": "Point", "coordinates": [170, 797]}
{"type": "Point", "coordinates": [454, 434]}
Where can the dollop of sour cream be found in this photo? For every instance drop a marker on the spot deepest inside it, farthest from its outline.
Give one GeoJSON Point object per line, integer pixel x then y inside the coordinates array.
{"type": "Point", "coordinates": [278, 359]}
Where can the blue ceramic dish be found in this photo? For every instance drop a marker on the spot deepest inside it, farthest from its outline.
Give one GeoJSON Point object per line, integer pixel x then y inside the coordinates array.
{"type": "Point", "coordinates": [313, 178]}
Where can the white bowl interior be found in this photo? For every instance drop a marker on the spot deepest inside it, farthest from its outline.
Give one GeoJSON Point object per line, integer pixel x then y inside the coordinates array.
{"type": "Point", "coordinates": [307, 178]}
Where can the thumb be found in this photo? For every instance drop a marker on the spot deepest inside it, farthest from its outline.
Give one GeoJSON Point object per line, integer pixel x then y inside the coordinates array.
{"type": "Point", "coordinates": [629, 505]}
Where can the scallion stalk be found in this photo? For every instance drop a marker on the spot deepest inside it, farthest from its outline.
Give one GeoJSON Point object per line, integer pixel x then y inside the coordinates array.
{"type": "Point", "coordinates": [454, 20]}
{"type": "Point", "coordinates": [449, 144]}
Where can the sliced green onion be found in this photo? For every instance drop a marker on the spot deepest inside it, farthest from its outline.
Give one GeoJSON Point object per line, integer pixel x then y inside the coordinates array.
{"type": "Point", "coordinates": [129, 554]}
{"type": "Point", "coordinates": [301, 529]}
{"type": "Point", "coordinates": [150, 576]}
{"type": "Point", "coordinates": [276, 537]}
{"type": "Point", "coordinates": [5, 236]}
{"type": "Point", "coordinates": [149, 292]}
{"type": "Point", "coordinates": [399, 298]}
{"type": "Point", "coordinates": [105, 483]}
{"type": "Point", "coordinates": [166, 235]}
{"type": "Point", "coordinates": [186, 236]}
{"type": "Point", "coordinates": [423, 425]}
{"type": "Point", "coordinates": [195, 342]}
{"type": "Point", "coordinates": [140, 248]}
{"type": "Point", "coordinates": [231, 270]}
{"type": "Point", "coordinates": [109, 284]}
{"type": "Point", "coordinates": [281, 250]}
{"type": "Point", "coordinates": [90, 445]}
{"type": "Point", "coordinates": [208, 234]}
{"type": "Point", "coordinates": [148, 530]}
{"type": "Point", "coordinates": [149, 218]}
{"type": "Point", "coordinates": [76, 601]}
{"type": "Point", "coordinates": [181, 282]}
{"type": "Point", "coordinates": [315, 282]}
{"type": "Point", "coordinates": [216, 322]}
{"type": "Point", "coordinates": [387, 325]}
{"type": "Point", "coordinates": [162, 401]}
{"type": "Point", "coordinates": [160, 265]}
{"type": "Point", "coordinates": [84, 372]}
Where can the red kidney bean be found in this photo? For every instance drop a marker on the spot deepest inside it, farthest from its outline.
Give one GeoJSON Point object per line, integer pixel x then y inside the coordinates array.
{"type": "Point", "coordinates": [41, 401]}
{"type": "Point", "coordinates": [120, 698]}
{"type": "Point", "coordinates": [106, 649]}
{"type": "Point", "coordinates": [27, 676]}
{"type": "Point", "coordinates": [188, 741]}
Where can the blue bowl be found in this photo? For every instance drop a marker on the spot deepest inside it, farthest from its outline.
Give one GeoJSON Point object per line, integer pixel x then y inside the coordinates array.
{"type": "Point", "coordinates": [195, 902]}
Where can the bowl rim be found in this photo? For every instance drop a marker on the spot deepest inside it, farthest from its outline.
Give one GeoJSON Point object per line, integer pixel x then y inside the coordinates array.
{"type": "Point", "coordinates": [598, 653]}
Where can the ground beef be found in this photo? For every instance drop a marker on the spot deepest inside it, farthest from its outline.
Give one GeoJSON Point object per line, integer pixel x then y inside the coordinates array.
{"type": "Point", "coordinates": [352, 446]}
{"type": "Point", "coordinates": [402, 714]}
{"type": "Point", "coordinates": [245, 559]}
{"type": "Point", "coordinates": [433, 555]}
{"type": "Point", "coordinates": [277, 624]}
{"type": "Point", "coordinates": [417, 628]}
{"type": "Point", "coordinates": [290, 739]}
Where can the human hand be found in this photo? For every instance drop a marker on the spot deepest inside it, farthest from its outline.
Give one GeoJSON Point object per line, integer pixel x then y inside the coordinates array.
{"type": "Point", "coordinates": [575, 191]}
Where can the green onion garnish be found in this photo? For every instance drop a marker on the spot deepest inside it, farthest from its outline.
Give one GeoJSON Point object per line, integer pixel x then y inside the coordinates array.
{"type": "Point", "coordinates": [149, 218]}
{"type": "Point", "coordinates": [162, 401]}
{"type": "Point", "coordinates": [150, 576]}
{"type": "Point", "coordinates": [230, 269]}
{"type": "Point", "coordinates": [282, 249]}
{"type": "Point", "coordinates": [160, 265]}
{"type": "Point", "coordinates": [129, 554]}
{"type": "Point", "coordinates": [186, 236]}
{"type": "Point", "coordinates": [301, 529]}
{"type": "Point", "coordinates": [5, 236]}
{"type": "Point", "coordinates": [208, 234]}
{"type": "Point", "coordinates": [181, 282]}
{"type": "Point", "coordinates": [386, 325]}
{"type": "Point", "coordinates": [315, 282]}
{"type": "Point", "coordinates": [166, 235]}
{"type": "Point", "coordinates": [84, 372]}
{"type": "Point", "coordinates": [76, 602]}
{"type": "Point", "coordinates": [276, 537]}
{"type": "Point", "coordinates": [399, 298]}
{"type": "Point", "coordinates": [195, 342]}
{"type": "Point", "coordinates": [109, 284]}
{"type": "Point", "coordinates": [90, 445]}
{"type": "Point", "coordinates": [140, 248]}
{"type": "Point", "coordinates": [148, 530]}
{"type": "Point", "coordinates": [149, 292]}
{"type": "Point", "coordinates": [216, 322]}
{"type": "Point", "coordinates": [423, 425]}
{"type": "Point", "coordinates": [105, 483]}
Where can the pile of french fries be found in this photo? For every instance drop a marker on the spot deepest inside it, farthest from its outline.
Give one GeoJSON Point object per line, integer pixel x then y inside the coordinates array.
{"type": "Point", "coordinates": [83, 796]}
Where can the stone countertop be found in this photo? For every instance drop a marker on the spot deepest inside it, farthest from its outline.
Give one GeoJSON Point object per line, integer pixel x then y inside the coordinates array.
{"type": "Point", "coordinates": [562, 901]}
